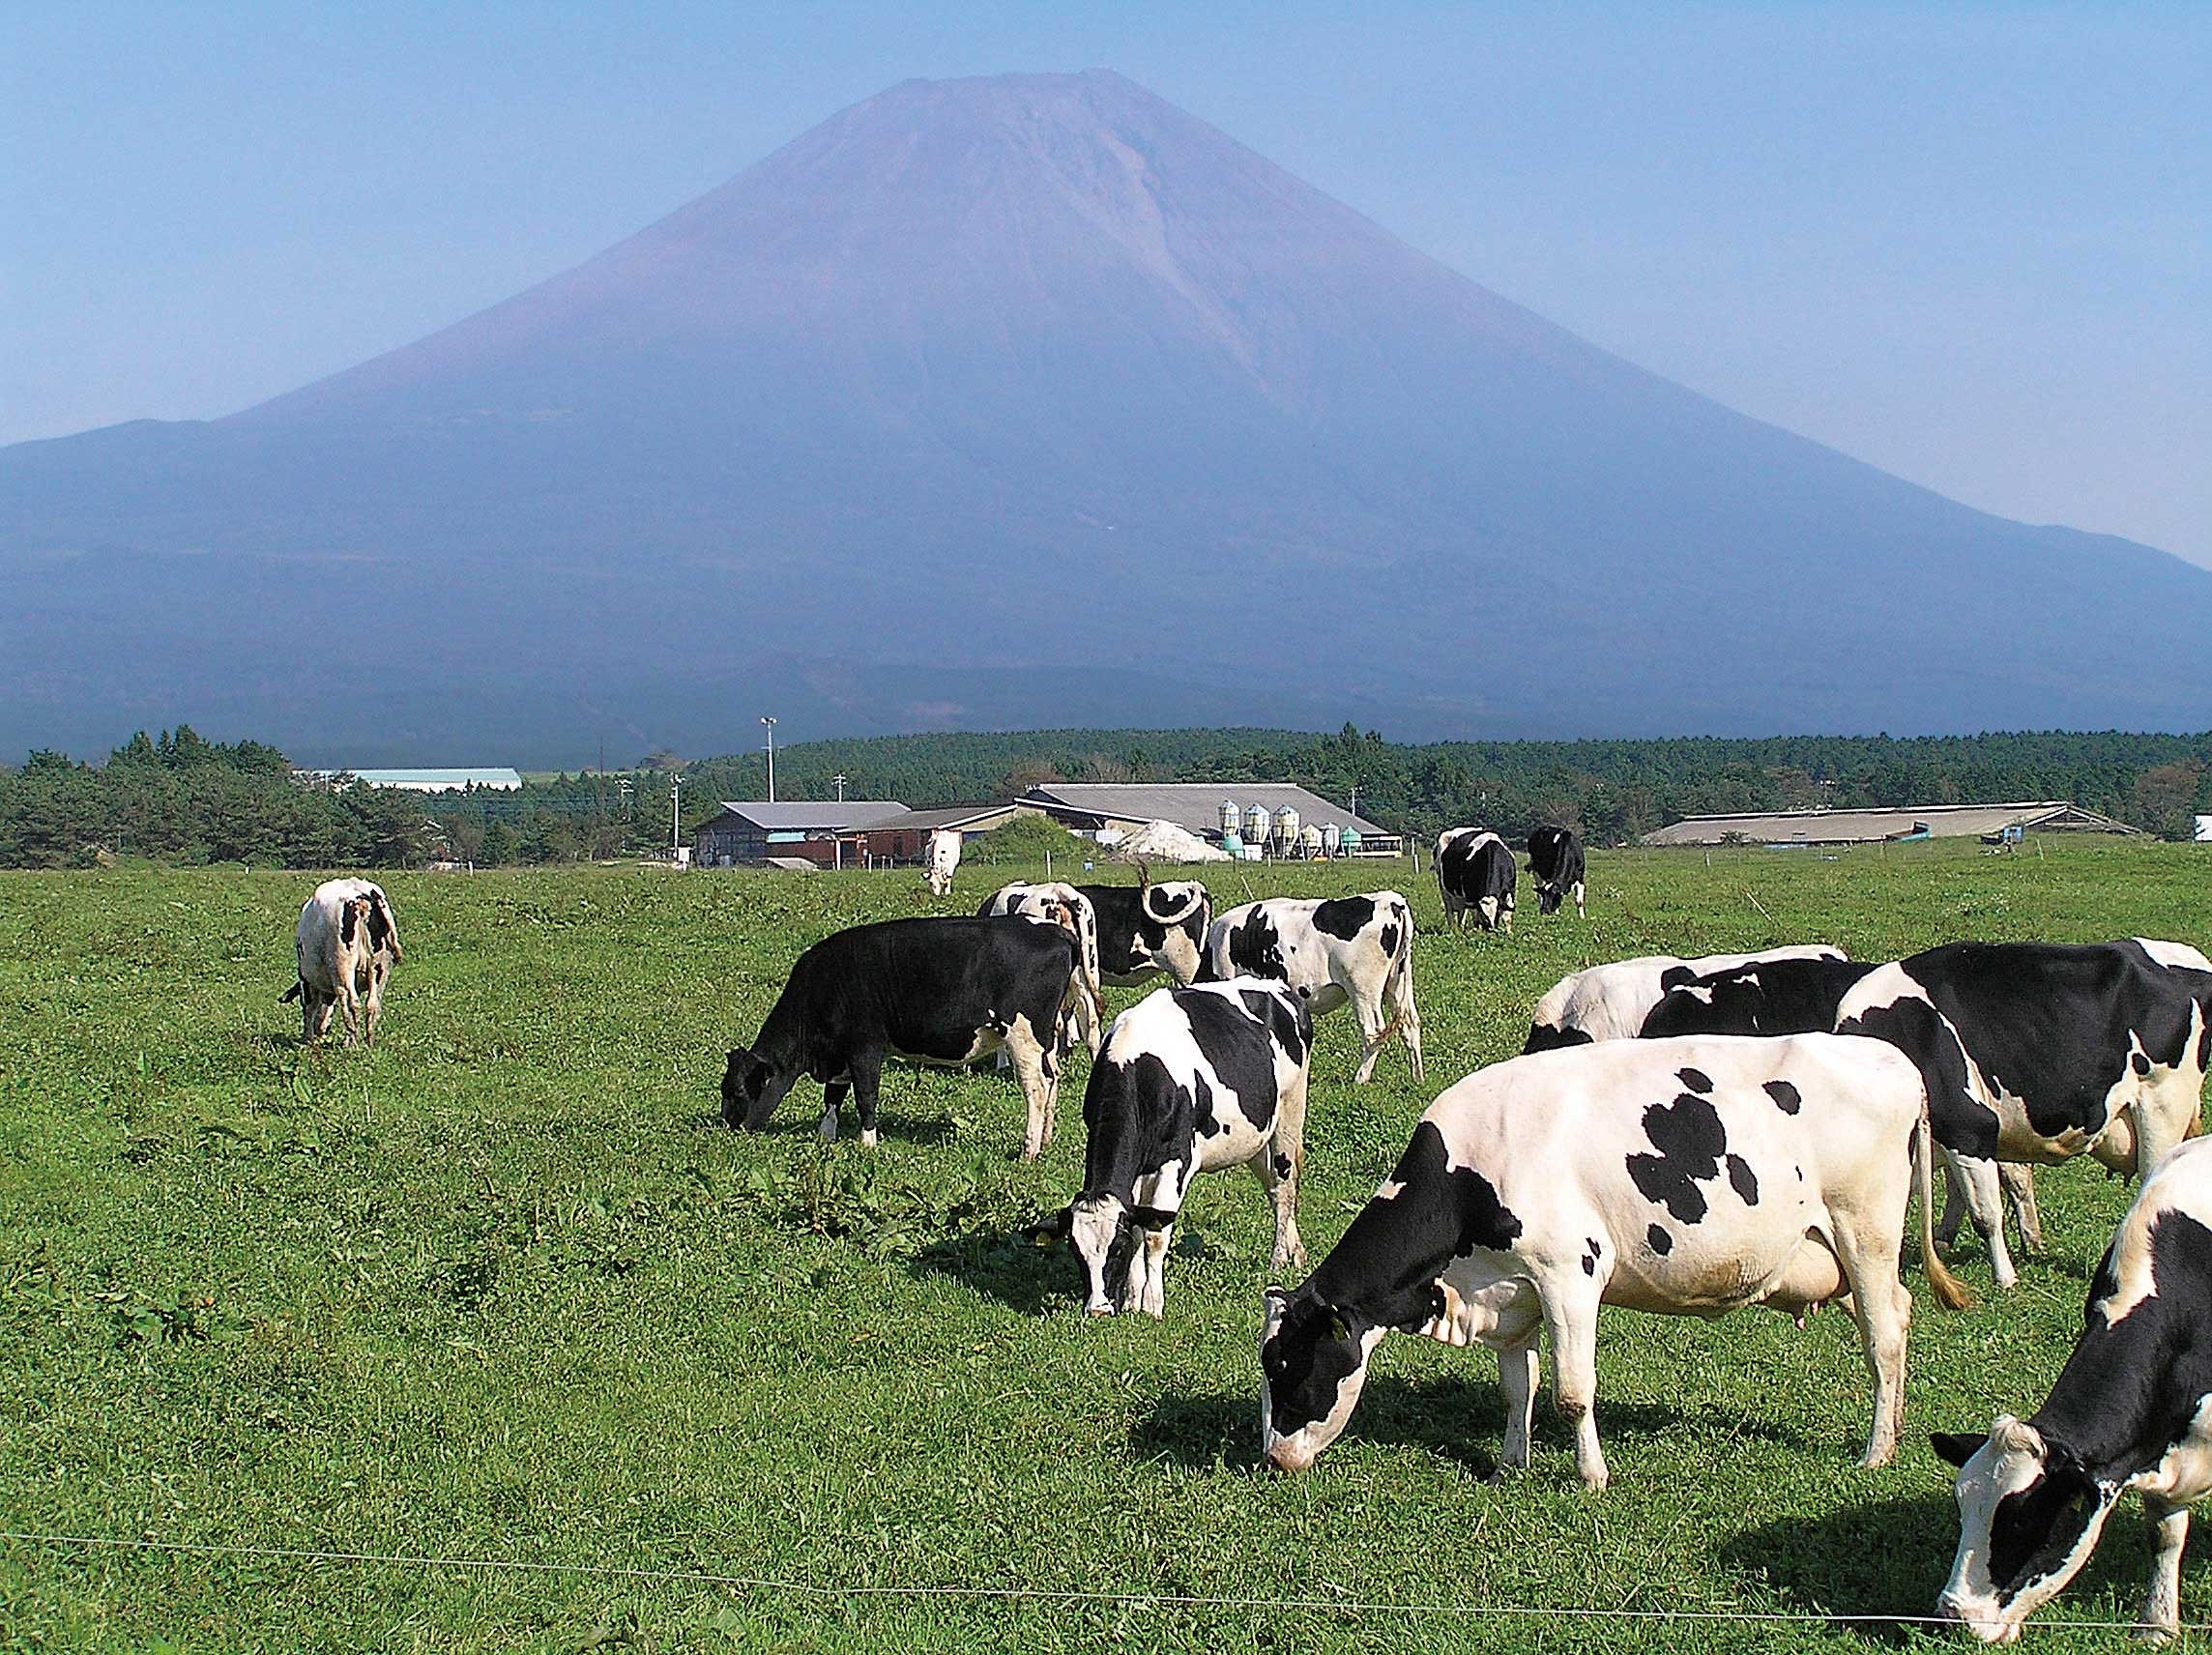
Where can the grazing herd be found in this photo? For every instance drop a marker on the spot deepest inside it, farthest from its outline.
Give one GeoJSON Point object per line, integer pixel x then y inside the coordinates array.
{"type": "Point", "coordinates": [1678, 1136]}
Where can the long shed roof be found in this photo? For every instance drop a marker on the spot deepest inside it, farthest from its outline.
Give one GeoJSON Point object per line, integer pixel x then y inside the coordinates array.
{"type": "Point", "coordinates": [1865, 827]}
{"type": "Point", "coordinates": [826, 815]}
{"type": "Point", "coordinates": [1195, 805]}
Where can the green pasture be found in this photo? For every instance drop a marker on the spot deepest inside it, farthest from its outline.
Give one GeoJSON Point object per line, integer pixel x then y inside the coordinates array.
{"type": "Point", "coordinates": [506, 1289]}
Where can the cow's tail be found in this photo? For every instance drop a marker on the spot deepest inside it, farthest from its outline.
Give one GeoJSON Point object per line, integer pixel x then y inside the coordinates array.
{"type": "Point", "coordinates": [1950, 1291]}
{"type": "Point", "coordinates": [293, 993]}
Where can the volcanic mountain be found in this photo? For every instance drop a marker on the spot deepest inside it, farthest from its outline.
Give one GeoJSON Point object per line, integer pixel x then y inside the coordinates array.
{"type": "Point", "coordinates": [1029, 400]}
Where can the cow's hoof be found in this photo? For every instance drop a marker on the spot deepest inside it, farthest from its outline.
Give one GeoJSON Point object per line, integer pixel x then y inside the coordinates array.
{"type": "Point", "coordinates": [867, 1138]}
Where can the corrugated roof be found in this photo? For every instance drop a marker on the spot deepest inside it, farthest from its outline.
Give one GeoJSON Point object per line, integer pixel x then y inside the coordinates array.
{"type": "Point", "coordinates": [440, 780]}
{"type": "Point", "coordinates": [1865, 827]}
{"type": "Point", "coordinates": [820, 816]}
{"type": "Point", "coordinates": [939, 816]}
{"type": "Point", "coordinates": [1192, 804]}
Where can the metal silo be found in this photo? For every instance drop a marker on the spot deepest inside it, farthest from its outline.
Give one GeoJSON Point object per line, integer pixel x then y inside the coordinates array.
{"type": "Point", "coordinates": [1286, 830]}
{"type": "Point", "coordinates": [1309, 842]}
{"type": "Point", "coordinates": [1257, 822]}
{"type": "Point", "coordinates": [1331, 835]}
{"type": "Point", "coordinates": [1231, 817]}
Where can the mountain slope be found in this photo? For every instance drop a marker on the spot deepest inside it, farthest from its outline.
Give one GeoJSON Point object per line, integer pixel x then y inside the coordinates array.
{"type": "Point", "coordinates": [1032, 400]}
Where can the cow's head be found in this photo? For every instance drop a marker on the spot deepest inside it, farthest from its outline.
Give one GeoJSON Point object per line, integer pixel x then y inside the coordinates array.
{"type": "Point", "coordinates": [2029, 1514]}
{"type": "Point", "coordinates": [1105, 1237]}
{"type": "Point", "coordinates": [1173, 933]}
{"type": "Point", "coordinates": [750, 1089]}
{"type": "Point", "coordinates": [1312, 1363]}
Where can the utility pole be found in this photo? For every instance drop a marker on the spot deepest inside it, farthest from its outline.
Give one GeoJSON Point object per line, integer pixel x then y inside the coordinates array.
{"type": "Point", "coordinates": [676, 818]}
{"type": "Point", "coordinates": [771, 725]}
{"type": "Point", "coordinates": [839, 779]}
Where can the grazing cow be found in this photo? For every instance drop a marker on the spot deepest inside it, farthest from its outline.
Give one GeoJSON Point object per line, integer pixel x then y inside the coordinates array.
{"type": "Point", "coordinates": [1676, 1176]}
{"type": "Point", "coordinates": [2131, 1410]}
{"type": "Point", "coordinates": [1610, 1002]}
{"type": "Point", "coordinates": [1068, 908]}
{"type": "Point", "coordinates": [1192, 1080]}
{"type": "Point", "coordinates": [939, 857]}
{"type": "Point", "coordinates": [344, 948]}
{"type": "Point", "coordinates": [1556, 860]}
{"type": "Point", "coordinates": [2040, 1052]}
{"type": "Point", "coordinates": [1475, 874]}
{"type": "Point", "coordinates": [1145, 929]}
{"type": "Point", "coordinates": [1350, 948]}
{"type": "Point", "coordinates": [942, 992]}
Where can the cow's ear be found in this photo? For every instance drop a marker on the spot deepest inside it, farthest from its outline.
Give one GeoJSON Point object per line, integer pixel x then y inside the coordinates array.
{"type": "Point", "coordinates": [1046, 1231]}
{"type": "Point", "coordinates": [1338, 1326]}
{"type": "Point", "coordinates": [1957, 1446]}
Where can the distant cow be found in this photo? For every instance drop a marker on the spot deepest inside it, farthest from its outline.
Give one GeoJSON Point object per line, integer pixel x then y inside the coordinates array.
{"type": "Point", "coordinates": [2131, 1410]}
{"type": "Point", "coordinates": [1678, 1177]}
{"type": "Point", "coordinates": [1610, 1002]}
{"type": "Point", "coordinates": [344, 948]}
{"type": "Point", "coordinates": [941, 855]}
{"type": "Point", "coordinates": [1556, 862]}
{"type": "Point", "coordinates": [942, 992]}
{"type": "Point", "coordinates": [2040, 1052]}
{"type": "Point", "coordinates": [1350, 948]}
{"type": "Point", "coordinates": [1068, 908]}
{"type": "Point", "coordinates": [1145, 929]}
{"type": "Point", "coordinates": [1475, 874]}
{"type": "Point", "coordinates": [1192, 1080]}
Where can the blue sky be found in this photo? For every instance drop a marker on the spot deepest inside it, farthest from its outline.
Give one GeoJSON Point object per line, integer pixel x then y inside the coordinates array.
{"type": "Point", "coordinates": [1970, 244]}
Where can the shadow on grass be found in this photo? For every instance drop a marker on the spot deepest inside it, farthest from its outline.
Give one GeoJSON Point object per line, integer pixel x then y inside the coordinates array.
{"type": "Point", "coordinates": [1459, 1418]}
{"type": "Point", "coordinates": [1884, 1557]}
{"type": "Point", "coordinates": [1006, 1265]}
{"type": "Point", "coordinates": [792, 1123]}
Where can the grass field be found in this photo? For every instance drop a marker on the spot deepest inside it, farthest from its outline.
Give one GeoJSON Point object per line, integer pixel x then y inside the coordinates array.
{"type": "Point", "coordinates": [506, 1288]}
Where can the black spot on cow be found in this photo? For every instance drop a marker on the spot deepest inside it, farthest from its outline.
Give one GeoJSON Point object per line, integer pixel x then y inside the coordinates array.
{"type": "Point", "coordinates": [1697, 1080]}
{"type": "Point", "coordinates": [1543, 1037]}
{"type": "Point", "coordinates": [1959, 1122]}
{"type": "Point", "coordinates": [2141, 1064]}
{"type": "Point", "coordinates": [1786, 1097]}
{"type": "Point", "coordinates": [1238, 1048]}
{"type": "Point", "coordinates": [1741, 1180]}
{"type": "Point", "coordinates": [1292, 1027]}
{"type": "Point", "coordinates": [1690, 1139]}
{"type": "Point", "coordinates": [349, 918]}
{"type": "Point", "coordinates": [1282, 1165]}
{"type": "Point", "coordinates": [1659, 1240]}
{"type": "Point", "coordinates": [1255, 948]}
{"type": "Point", "coordinates": [1344, 917]}
{"type": "Point", "coordinates": [1675, 977]}
{"type": "Point", "coordinates": [1202, 1108]}
{"type": "Point", "coordinates": [1387, 936]}
{"type": "Point", "coordinates": [1591, 1256]}
{"type": "Point", "coordinates": [1398, 1245]}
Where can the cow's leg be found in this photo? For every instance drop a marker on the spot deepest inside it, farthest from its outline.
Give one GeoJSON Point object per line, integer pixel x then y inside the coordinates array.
{"type": "Point", "coordinates": [832, 1106]}
{"type": "Point", "coordinates": [1883, 1307]}
{"type": "Point", "coordinates": [349, 1008]}
{"type": "Point", "coordinates": [315, 1008]}
{"type": "Point", "coordinates": [1367, 1007]}
{"type": "Point", "coordinates": [1570, 1321]}
{"type": "Point", "coordinates": [1517, 1384]}
{"type": "Point", "coordinates": [1398, 1000]}
{"type": "Point", "coordinates": [867, 1074]}
{"type": "Point", "coordinates": [2164, 1114]}
{"type": "Point", "coordinates": [1580, 912]}
{"type": "Point", "coordinates": [2019, 1181]}
{"type": "Point", "coordinates": [1979, 1186]}
{"type": "Point", "coordinates": [1038, 1071]}
{"type": "Point", "coordinates": [2161, 1617]}
{"type": "Point", "coordinates": [1154, 1302]}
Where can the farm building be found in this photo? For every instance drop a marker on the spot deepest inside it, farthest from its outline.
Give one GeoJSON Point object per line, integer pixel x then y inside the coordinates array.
{"type": "Point", "coordinates": [851, 834]}
{"type": "Point", "coordinates": [497, 780]}
{"type": "Point", "coordinates": [1873, 826]}
{"type": "Point", "coordinates": [2204, 829]}
{"type": "Point", "coordinates": [752, 830]}
{"type": "Point", "coordinates": [1197, 807]}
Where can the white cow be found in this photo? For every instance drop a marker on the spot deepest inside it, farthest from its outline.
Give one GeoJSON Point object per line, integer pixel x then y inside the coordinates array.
{"type": "Point", "coordinates": [345, 946]}
{"type": "Point", "coordinates": [1687, 1176]}
{"type": "Point", "coordinates": [1610, 1002]}
{"type": "Point", "coordinates": [939, 857]}
{"type": "Point", "coordinates": [1063, 906]}
{"type": "Point", "coordinates": [1348, 949]}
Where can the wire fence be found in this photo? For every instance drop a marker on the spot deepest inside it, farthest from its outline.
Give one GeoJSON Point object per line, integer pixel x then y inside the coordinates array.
{"type": "Point", "coordinates": [784, 1587]}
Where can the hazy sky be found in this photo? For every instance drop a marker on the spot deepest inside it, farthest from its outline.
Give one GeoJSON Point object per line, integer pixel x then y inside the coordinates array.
{"type": "Point", "coordinates": [1970, 244]}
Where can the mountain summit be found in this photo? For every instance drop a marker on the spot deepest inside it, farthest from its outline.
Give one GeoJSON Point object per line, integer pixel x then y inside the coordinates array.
{"type": "Point", "coordinates": [1017, 401]}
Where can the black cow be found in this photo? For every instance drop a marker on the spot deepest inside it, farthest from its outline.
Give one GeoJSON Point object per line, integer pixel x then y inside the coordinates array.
{"type": "Point", "coordinates": [1556, 861]}
{"type": "Point", "coordinates": [1147, 929]}
{"type": "Point", "coordinates": [1475, 874]}
{"type": "Point", "coordinates": [2131, 1410]}
{"type": "Point", "coordinates": [1763, 997]}
{"type": "Point", "coordinates": [1192, 1080]}
{"type": "Point", "coordinates": [2040, 1052]}
{"type": "Point", "coordinates": [943, 992]}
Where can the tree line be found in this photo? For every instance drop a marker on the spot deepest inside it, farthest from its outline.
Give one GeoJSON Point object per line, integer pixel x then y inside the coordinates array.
{"type": "Point", "coordinates": [178, 798]}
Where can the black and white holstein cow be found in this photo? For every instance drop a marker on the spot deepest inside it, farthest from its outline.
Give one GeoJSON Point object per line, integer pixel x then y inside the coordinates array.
{"type": "Point", "coordinates": [1610, 1002]}
{"type": "Point", "coordinates": [1147, 929]}
{"type": "Point", "coordinates": [2131, 1410]}
{"type": "Point", "coordinates": [1475, 874]}
{"type": "Point", "coordinates": [942, 992]}
{"type": "Point", "coordinates": [1068, 908]}
{"type": "Point", "coordinates": [2041, 1052]}
{"type": "Point", "coordinates": [1556, 861]}
{"type": "Point", "coordinates": [1192, 1080]}
{"type": "Point", "coordinates": [344, 947]}
{"type": "Point", "coordinates": [1356, 949]}
{"type": "Point", "coordinates": [1683, 1178]}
